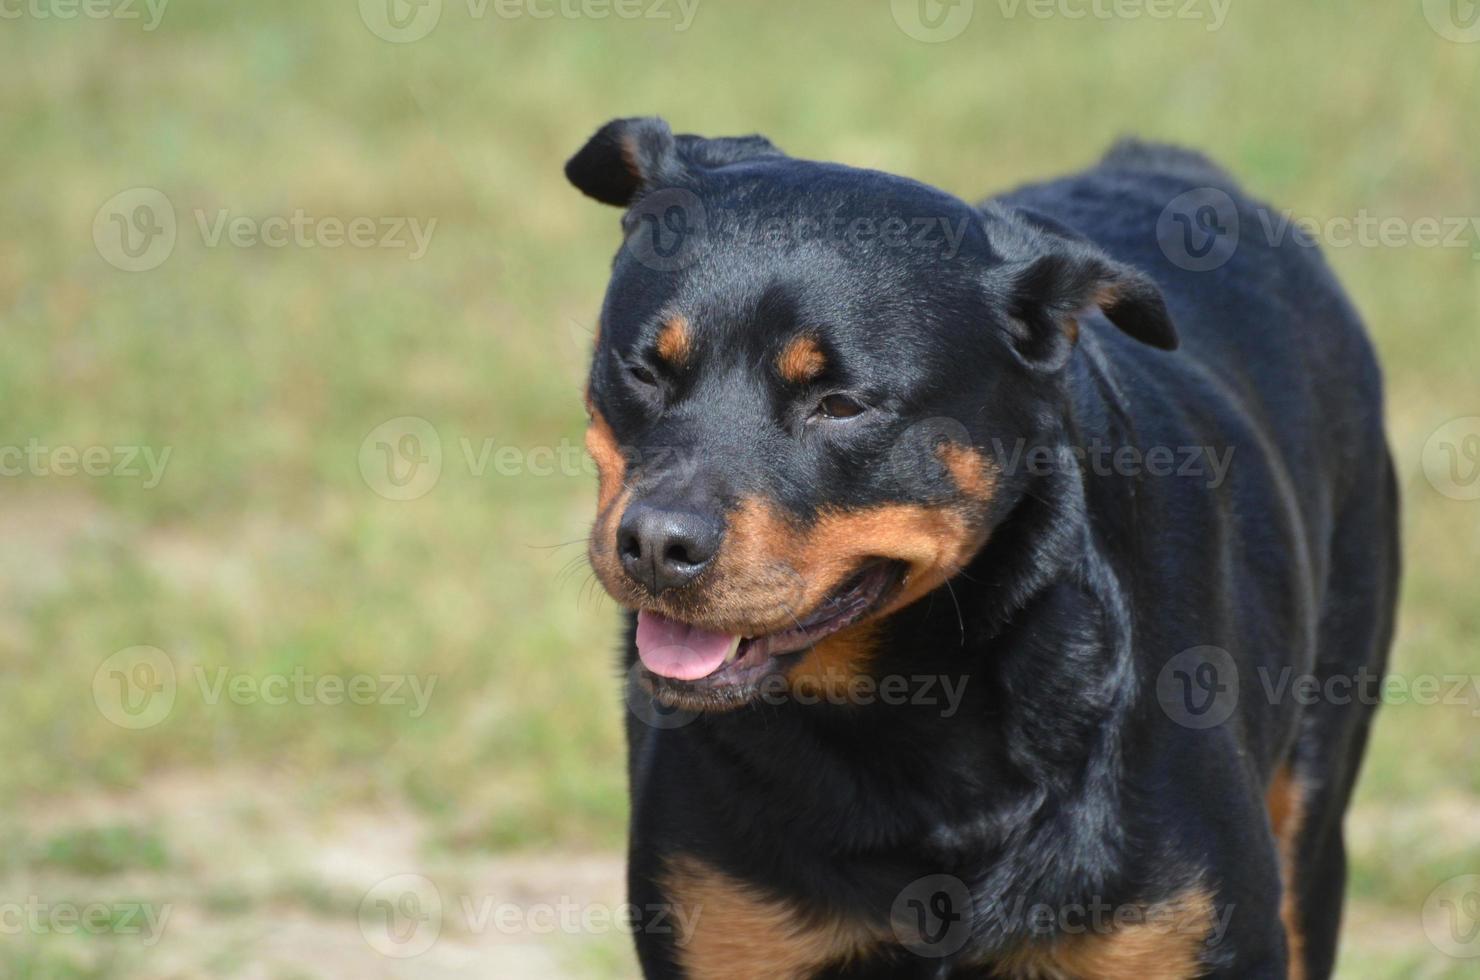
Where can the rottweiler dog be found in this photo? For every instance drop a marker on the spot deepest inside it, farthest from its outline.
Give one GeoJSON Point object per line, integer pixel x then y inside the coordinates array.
{"type": "Point", "coordinates": [1009, 585]}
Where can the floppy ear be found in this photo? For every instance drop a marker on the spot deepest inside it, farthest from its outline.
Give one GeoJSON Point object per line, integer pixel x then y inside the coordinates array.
{"type": "Point", "coordinates": [1068, 276]}
{"type": "Point", "coordinates": [629, 156]}
{"type": "Point", "coordinates": [624, 156]}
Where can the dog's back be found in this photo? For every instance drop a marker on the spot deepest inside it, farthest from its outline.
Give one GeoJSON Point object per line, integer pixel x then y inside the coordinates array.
{"type": "Point", "coordinates": [1275, 370]}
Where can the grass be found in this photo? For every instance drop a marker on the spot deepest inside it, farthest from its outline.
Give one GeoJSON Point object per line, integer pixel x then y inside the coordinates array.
{"type": "Point", "coordinates": [265, 548]}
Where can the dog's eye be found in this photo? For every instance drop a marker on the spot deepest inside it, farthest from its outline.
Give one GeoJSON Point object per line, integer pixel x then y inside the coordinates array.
{"type": "Point", "coordinates": [642, 375]}
{"type": "Point", "coordinates": [836, 406]}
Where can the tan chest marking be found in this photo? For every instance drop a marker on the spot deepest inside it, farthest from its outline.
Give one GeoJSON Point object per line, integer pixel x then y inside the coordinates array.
{"type": "Point", "coordinates": [735, 931]}
{"type": "Point", "coordinates": [1166, 943]}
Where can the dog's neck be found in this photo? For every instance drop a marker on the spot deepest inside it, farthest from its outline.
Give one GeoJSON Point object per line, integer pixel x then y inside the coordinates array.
{"type": "Point", "coordinates": [1042, 683]}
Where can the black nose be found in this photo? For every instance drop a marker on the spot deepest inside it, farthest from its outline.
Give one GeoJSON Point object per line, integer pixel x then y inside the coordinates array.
{"type": "Point", "coordinates": [664, 549]}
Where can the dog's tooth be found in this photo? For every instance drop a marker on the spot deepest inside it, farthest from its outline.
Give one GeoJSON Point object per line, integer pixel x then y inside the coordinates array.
{"type": "Point", "coordinates": [734, 649]}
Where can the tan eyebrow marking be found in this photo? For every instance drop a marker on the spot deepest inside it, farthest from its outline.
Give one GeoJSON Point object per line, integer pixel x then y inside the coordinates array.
{"type": "Point", "coordinates": [801, 360]}
{"type": "Point", "coordinates": [674, 341]}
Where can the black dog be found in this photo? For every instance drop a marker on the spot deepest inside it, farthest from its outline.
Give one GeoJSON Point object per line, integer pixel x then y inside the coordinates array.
{"type": "Point", "coordinates": [983, 562]}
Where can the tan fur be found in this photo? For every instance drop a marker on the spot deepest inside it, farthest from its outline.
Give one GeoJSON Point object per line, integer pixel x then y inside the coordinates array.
{"type": "Point", "coordinates": [737, 932]}
{"type": "Point", "coordinates": [773, 569]}
{"type": "Point", "coordinates": [612, 494]}
{"type": "Point", "coordinates": [675, 341]}
{"type": "Point", "coordinates": [832, 667]}
{"type": "Point", "coordinates": [611, 465]}
{"type": "Point", "coordinates": [1285, 801]}
{"type": "Point", "coordinates": [1166, 944]}
{"type": "Point", "coordinates": [969, 469]}
{"type": "Point", "coordinates": [801, 361]}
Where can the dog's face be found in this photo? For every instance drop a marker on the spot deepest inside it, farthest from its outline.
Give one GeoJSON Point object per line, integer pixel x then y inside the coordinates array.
{"type": "Point", "coordinates": [798, 371]}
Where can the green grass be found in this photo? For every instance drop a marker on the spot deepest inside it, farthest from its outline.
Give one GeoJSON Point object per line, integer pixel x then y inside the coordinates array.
{"type": "Point", "coordinates": [263, 369]}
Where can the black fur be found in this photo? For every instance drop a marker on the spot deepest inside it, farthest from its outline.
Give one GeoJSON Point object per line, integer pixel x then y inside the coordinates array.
{"type": "Point", "coordinates": [1062, 777]}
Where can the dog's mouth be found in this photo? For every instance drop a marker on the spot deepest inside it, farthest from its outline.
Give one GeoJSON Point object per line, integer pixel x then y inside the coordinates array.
{"type": "Point", "coordinates": [688, 663]}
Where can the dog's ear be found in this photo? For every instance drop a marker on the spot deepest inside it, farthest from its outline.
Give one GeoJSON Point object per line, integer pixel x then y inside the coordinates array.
{"type": "Point", "coordinates": [629, 156]}
{"type": "Point", "coordinates": [623, 157]}
{"type": "Point", "coordinates": [1062, 276]}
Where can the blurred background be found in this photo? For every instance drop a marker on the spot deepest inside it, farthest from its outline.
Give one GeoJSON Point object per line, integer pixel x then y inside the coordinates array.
{"type": "Point", "coordinates": [305, 675]}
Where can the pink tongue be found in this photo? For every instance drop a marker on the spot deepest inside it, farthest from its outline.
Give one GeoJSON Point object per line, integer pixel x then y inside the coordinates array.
{"type": "Point", "coordinates": [672, 649]}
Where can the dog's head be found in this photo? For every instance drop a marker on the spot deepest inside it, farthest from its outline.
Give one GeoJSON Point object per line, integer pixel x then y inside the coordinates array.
{"type": "Point", "coordinates": [799, 371]}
